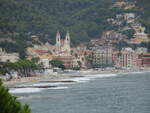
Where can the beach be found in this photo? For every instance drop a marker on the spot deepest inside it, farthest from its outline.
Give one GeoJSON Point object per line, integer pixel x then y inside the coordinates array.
{"type": "Point", "coordinates": [60, 76]}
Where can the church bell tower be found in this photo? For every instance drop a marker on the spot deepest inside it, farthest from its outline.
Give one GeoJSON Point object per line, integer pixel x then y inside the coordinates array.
{"type": "Point", "coordinates": [67, 42]}
{"type": "Point", "coordinates": [58, 42]}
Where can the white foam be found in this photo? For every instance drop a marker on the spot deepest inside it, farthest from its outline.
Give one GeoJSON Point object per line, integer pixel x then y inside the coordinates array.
{"type": "Point", "coordinates": [90, 77]}
{"type": "Point", "coordinates": [134, 72]}
{"type": "Point", "coordinates": [138, 72]}
{"type": "Point", "coordinates": [24, 98]}
{"type": "Point", "coordinates": [25, 90]}
{"type": "Point", "coordinates": [103, 75]}
{"type": "Point", "coordinates": [31, 90]}
{"type": "Point", "coordinates": [47, 84]}
{"type": "Point", "coordinates": [33, 96]}
{"type": "Point", "coordinates": [50, 84]}
{"type": "Point", "coordinates": [59, 88]}
{"type": "Point", "coordinates": [80, 79]}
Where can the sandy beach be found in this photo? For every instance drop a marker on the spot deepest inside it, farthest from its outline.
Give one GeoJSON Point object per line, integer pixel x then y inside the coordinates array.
{"type": "Point", "coordinates": [34, 79]}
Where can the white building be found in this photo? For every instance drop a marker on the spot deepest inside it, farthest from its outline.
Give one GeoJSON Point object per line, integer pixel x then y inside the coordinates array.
{"type": "Point", "coordinates": [45, 63]}
{"type": "Point", "coordinates": [141, 50]}
{"type": "Point", "coordinates": [127, 58]}
{"type": "Point", "coordinates": [129, 17]}
{"type": "Point", "coordinates": [11, 57]}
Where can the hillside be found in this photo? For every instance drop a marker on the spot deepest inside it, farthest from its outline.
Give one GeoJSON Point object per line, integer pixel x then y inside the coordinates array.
{"type": "Point", "coordinates": [85, 19]}
{"type": "Point", "coordinates": [144, 12]}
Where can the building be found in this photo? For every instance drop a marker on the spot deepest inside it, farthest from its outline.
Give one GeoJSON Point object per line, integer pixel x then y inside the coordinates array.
{"type": "Point", "coordinates": [146, 59]}
{"type": "Point", "coordinates": [63, 50]}
{"type": "Point", "coordinates": [112, 37]}
{"type": "Point", "coordinates": [139, 36]}
{"type": "Point", "coordinates": [103, 57]}
{"type": "Point", "coordinates": [41, 52]}
{"type": "Point", "coordinates": [45, 63]}
{"type": "Point", "coordinates": [48, 52]}
{"type": "Point", "coordinates": [119, 4]}
{"type": "Point", "coordinates": [141, 50]}
{"type": "Point", "coordinates": [62, 45]}
{"type": "Point", "coordinates": [129, 17]}
{"type": "Point", "coordinates": [68, 60]}
{"type": "Point", "coordinates": [79, 56]}
{"type": "Point", "coordinates": [127, 58]}
{"type": "Point", "coordinates": [124, 4]}
{"type": "Point", "coordinates": [11, 57]}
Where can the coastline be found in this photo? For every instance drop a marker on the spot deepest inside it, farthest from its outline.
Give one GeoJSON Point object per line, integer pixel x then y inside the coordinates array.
{"type": "Point", "coordinates": [58, 77]}
{"type": "Point", "coordinates": [24, 80]}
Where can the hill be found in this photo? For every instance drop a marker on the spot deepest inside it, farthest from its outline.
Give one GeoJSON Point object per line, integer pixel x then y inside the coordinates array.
{"type": "Point", "coordinates": [85, 19]}
{"type": "Point", "coordinates": [144, 12]}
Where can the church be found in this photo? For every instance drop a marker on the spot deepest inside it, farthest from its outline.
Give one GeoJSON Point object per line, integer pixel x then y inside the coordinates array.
{"type": "Point", "coordinates": [62, 47]}
{"type": "Point", "coordinates": [63, 50]}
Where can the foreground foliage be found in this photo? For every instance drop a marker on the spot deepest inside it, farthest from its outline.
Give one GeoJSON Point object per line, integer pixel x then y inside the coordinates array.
{"type": "Point", "coordinates": [9, 104]}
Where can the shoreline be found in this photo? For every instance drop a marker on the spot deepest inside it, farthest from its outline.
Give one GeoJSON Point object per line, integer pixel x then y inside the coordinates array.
{"type": "Point", "coordinates": [34, 79]}
{"type": "Point", "coordinates": [59, 77]}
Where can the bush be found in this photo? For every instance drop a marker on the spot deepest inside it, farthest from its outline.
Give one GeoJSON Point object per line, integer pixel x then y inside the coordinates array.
{"type": "Point", "coordinates": [9, 104]}
{"type": "Point", "coordinates": [56, 63]}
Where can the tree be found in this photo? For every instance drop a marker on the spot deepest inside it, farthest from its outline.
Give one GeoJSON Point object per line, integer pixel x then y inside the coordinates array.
{"type": "Point", "coordinates": [130, 33]}
{"type": "Point", "coordinates": [146, 45]}
{"type": "Point", "coordinates": [56, 63]}
{"type": "Point", "coordinates": [121, 44]}
{"type": "Point", "coordinates": [79, 63]}
{"type": "Point", "coordinates": [62, 67]}
{"type": "Point", "coordinates": [3, 71]}
{"type": "Point", "coordinates": [23, 67]}
{"type": "Point", "coordinates": [9, 104]}
{"type": "Point", "coordinates": [35, 60]}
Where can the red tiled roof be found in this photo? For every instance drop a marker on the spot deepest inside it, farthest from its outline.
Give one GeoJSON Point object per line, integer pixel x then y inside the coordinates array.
{"type": "Point", "coordinates": [40, 51]}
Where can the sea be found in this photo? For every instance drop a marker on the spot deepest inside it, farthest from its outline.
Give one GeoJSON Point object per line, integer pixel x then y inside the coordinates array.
{"type": "Point", "coordinates": [97, 93]}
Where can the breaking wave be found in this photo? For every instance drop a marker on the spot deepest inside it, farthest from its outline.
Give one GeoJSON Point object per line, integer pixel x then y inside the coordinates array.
{"type": "Point", "coordinates": [57, 85]}
{"type": "Point", "coordinates": [103, 75]}
{"type": "Point", "coordinates": [25, 90]}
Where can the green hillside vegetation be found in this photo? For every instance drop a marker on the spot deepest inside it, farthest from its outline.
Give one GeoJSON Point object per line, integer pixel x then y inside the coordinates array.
{"type": "Point", "coordinates": [19, 19]}
{"type": "Point", "coordinates": [9, 104]}
{"type": "Point", "coordinates": [85, 19]}
{"type": "Point", "coordinates": [144, 12]}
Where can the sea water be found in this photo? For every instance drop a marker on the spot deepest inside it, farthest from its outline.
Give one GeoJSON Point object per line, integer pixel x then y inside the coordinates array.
{"type": "Point", "coordinates": [100, 93]}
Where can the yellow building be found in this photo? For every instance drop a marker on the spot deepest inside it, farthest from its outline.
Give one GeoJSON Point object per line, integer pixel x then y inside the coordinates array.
{"type": "Point", "coordinates": [140, 36]}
